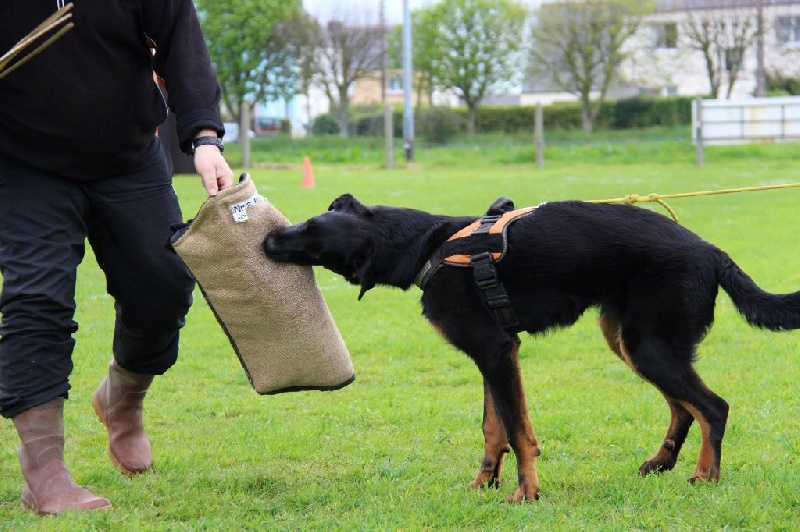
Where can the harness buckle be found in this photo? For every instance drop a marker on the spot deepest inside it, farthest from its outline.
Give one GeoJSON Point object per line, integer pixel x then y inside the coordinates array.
{"type": "Point", "coordinates": [498, 301]}
{"type": "Point", "coordinates": [487, 222]}
{"type": "Point", "coordinates": [483, 271]}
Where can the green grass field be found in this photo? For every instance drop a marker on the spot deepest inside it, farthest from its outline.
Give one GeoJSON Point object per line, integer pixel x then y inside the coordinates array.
{"type": "Point", "coordinates": [396, 449]}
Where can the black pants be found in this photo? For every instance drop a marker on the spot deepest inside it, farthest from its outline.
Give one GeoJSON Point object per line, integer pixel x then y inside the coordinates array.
{"type": "Point", "coordinates": [44, 223]}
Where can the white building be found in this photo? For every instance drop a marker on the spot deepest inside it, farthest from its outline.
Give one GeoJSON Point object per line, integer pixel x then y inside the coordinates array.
{"type": "Point", "coordinates": [665, 59]}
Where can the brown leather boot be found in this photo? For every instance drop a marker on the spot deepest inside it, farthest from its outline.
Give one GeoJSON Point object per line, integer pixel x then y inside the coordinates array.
{"type": "Point", "coordinates": [118, 403]}
{"type": "Point", "coordinates": [49, 488]}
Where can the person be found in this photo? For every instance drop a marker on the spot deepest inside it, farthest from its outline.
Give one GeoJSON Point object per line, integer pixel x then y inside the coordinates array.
{"type": "Point", "coordinates": [80, 160]}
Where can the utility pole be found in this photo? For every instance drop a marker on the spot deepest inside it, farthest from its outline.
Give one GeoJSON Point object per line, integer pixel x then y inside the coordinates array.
{"type": "Point", "coordinates": [383, 50]}
{"type": "Point", "coordinates": [408, 108]}
{"type": "Point", "coordinates": [761, 82]}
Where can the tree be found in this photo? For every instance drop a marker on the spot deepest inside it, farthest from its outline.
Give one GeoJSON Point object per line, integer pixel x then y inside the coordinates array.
{"type": "Point", "coordinates": [290, 53]}
{"type": "Point", "coordinates": [723, 37]}
{"type": "Point", "coordinates": [469, 46]}
{"type": "Point", "coordinates": [236, 32]}
{"type": "Point", "coordinates": [581, 46]}
{"type": "Point", "coordinates": [351, 51]}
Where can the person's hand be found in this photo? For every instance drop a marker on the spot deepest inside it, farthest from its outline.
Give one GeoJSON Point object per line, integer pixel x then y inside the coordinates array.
{"type": "Point", "coordinates": [213, 169]}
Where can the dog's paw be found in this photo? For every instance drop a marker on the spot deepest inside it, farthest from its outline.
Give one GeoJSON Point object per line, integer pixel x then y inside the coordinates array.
{"type": "Point", "coordinates": [485, 479]}
{"type": "Point", "coordinates": [524, 494]}
{"type": "Point", "coordinates": [656, 466]}
{"type": "Point", "coordinates": [709, 475]}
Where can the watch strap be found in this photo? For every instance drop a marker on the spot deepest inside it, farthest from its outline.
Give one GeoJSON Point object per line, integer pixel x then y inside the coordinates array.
{"type": "Point", "coordinates": [207, 141]}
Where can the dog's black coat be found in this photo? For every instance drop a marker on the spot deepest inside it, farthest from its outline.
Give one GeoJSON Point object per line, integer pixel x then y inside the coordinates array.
{"type": "Point", "coordinates": [654, 282]}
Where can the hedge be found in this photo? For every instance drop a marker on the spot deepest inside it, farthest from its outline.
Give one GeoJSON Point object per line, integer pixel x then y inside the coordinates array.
{"type": "Point", "coordinates": [438, 124]}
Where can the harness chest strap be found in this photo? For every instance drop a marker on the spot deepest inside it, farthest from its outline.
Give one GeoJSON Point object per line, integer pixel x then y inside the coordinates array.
{"type": "Point", "coordinates": [494, 293]}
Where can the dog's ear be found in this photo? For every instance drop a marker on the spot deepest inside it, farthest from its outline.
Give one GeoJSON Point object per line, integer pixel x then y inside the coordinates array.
{"type": "Point", "coordinates": [346, 203]}
{"type": "Point", "coordinates": [361, 262]}
{"type": "Point", "coordinates": [500, 206]}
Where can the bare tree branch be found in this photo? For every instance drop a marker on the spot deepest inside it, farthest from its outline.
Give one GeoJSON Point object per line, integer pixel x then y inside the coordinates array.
{"type": "Point", "coordinates": [723, 37]}
{"type": "Point", "coordinates": [351, 51]}
{"type": "Point", "coordinates": [581, 46]}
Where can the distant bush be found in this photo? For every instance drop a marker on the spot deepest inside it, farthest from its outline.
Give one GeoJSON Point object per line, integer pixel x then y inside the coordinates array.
{"type": "Point", "coordinates": [780, 85]}
{"type": "Point", "coordinates": [649, 112]}
{"type": "Point", "coordinates": [325, 125]}
{"type": "Point", "coordinates": [438, 125]}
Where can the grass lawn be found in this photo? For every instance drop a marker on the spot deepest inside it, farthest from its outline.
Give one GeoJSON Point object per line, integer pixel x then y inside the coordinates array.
{"type": "Point", "coordinates": [396, 449]}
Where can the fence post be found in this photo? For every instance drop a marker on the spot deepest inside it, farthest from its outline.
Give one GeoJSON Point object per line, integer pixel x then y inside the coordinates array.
{"type": "Point", "coordinates": [539, 136]}
{"type": "Point", "coordinates": [698, 136]}
{"type": "Point", "coordinates": [388, 134]}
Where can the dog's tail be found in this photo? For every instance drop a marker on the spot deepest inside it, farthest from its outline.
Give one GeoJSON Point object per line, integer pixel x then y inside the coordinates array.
{"type": "Point", "coordinates": [761, 309]}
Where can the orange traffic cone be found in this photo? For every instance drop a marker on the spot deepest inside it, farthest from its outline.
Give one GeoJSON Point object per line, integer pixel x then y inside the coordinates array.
{"type": "Point", "coordinates": [308, 174]}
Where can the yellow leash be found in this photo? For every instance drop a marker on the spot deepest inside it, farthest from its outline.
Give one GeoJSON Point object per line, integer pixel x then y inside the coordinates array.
{"type": "Point", "coordinates": [630, 199]}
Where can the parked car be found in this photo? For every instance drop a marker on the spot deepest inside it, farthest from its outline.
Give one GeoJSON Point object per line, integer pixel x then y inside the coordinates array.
{"type": "Point", "coordinates": [267, 125]}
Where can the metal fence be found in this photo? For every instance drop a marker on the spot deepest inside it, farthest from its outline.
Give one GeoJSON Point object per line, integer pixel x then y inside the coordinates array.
{"type": "Point", "coordinates": [725, 122]}
{"type": "Point", "coordinates": [718, 122]}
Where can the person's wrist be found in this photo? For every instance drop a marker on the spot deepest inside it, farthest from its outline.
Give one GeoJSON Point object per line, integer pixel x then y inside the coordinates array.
{"type": "Point", "coordinates": [207, 141]}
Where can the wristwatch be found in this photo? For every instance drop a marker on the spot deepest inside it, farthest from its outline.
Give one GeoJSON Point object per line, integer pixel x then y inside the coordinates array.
{"type": "Point", "coordinates": [207, 141]}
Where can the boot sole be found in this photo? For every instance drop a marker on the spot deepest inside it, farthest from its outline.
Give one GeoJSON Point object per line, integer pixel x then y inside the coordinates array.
{"type": "Point", "coordinates": [97, 504]}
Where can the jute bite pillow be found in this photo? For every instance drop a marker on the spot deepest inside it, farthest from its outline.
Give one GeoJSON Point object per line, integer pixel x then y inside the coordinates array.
{"type": "Point", "coordinates": [274, 314]}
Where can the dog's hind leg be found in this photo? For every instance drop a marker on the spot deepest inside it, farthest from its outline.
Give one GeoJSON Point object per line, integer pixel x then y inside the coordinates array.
{"type": "Point", "coordinates": [686, 393]}
{"type": "Point", "coordinates": [667, 455]}
{"type": "Point", "coordinates": [495, 444]}
{"type": "Point", "coordinates": [681, 420]}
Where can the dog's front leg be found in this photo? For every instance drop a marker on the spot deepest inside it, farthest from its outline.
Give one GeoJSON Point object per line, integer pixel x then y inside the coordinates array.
{"type": "Point", "coordinates": [495, 444]}
{"type": "Point", "coordinates": [501, 373]}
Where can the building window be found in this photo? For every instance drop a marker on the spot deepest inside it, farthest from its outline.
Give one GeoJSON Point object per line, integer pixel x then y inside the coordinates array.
{"type": "Point", "coordinates": [395, 84]}
{"type": "Point", "coordinates": [665, 35]}
{"type": "Point", "coordinates": [658, 91]}
{"type": "Point", "coordinates": [788, 29]}
{"type": "Point", "coordinates": [733, 59]}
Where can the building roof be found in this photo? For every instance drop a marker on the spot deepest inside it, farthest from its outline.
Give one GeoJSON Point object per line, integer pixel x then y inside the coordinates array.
{"type": "Point", "coordinates": [689, 5]}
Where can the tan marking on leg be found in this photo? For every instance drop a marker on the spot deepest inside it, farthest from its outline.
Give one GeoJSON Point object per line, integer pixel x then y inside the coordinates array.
{"type": "Point", "coordinates": [495, 444]}
{"type": "Point", "coordinates": [612, 330]}
{"type": "Point", "coordinates": [612, 333]}
{"type": "Point", "coordinates": [707, 467]}
{"type": "Point", "coordinates": [524, 443]}
{"type": "Point", "coordinates": [664, 458]}
{"type": "Point", "coordinates": [438, 329]}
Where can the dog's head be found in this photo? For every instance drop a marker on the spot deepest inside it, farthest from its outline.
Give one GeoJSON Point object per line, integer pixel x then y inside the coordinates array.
{"type": "Point", "coordinates": [338, 240]}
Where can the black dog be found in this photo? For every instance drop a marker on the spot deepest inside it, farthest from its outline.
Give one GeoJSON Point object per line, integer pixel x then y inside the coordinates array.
{"type": "Point", "coordinates": [654, 281]}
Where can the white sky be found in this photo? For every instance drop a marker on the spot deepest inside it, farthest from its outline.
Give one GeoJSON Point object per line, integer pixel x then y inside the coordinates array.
{"type": "Point", "coordinates": [367, 10]}
{"type": "Point", "coordinates": [325, 9]}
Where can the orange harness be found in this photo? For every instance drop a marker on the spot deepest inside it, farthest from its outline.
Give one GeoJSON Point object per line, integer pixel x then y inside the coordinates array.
{"type": "Point", "coordinates": [491, 225]}
{"type": "Point", "coordinates": [478, 246]}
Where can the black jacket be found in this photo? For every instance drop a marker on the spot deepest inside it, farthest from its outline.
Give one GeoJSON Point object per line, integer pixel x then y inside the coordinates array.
{"type": "Point", "coordinates": [87, 107]}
